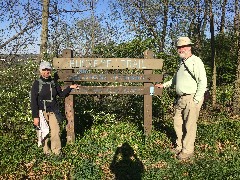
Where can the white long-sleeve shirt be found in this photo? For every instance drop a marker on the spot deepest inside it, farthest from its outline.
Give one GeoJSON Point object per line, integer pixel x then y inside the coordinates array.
{"type": "Point", "coordinates": [184, 82]}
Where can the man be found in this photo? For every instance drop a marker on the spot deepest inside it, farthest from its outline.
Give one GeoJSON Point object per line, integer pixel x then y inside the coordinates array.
{"type": "Point", "coordinates": [190, 82]}
{"type": "Point", "coordinates": [45, 108]}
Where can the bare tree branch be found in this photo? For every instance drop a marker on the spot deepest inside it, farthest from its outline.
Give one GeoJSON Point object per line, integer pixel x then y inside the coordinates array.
{"type": "Point", "coordinates": [72, 11]}
{"type": "Point", "coordinates": [149, 24]}
{"type": "Point", "coordinates": [28, 26]}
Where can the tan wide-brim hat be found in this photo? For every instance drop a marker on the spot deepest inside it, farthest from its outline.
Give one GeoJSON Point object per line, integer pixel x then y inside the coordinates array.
{"type": "Point", "coordinates": [184, 41]}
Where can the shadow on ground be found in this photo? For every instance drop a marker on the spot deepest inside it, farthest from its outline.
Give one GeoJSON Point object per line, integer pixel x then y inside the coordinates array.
{"type": "Point", "coordinates": [125, 164]}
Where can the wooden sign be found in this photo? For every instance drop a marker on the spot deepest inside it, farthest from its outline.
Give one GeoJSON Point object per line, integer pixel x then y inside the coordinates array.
{"type": "Point", "coordinates": [107, 63]}
{"type": "Point", "coordinates": [139, 90]}
{"type": "Point", "coordinates": [69, 76]}
{"type": "Point", "coordinates": [71, 69]}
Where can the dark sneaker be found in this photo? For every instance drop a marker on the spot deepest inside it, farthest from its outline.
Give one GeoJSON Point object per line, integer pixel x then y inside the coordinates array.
{"type": "Point", "coordinates": [184, 156]}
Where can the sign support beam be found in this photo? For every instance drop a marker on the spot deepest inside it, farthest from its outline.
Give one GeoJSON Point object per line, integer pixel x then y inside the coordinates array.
{"type": "Point", "coordinates": [69, 105]}
{"type": "Point", "coordinates": [147, 99]}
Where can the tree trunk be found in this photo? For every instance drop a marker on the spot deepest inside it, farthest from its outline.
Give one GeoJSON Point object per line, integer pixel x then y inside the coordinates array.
{"type": "Point", "coordinates": [198, 25]}
{"type": "Point", "coordinates": [205, 16]}
{"type": "Point", "coordinates": [223, 16]}
{"type": "Point", "coordinates": [236, 95]}
{"type": "Point", "coordinates": [44, 33]}
{"type": "Point", "coordinates": [214, 79]}
{"type": "Point", "coordinates": [165, 21]}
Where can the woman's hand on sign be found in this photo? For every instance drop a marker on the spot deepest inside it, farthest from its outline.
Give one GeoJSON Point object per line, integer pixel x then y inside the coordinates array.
{"type": "Point", "coordinates": [159, 85]}
{"type": "Point", "coordinates": [74, 86]}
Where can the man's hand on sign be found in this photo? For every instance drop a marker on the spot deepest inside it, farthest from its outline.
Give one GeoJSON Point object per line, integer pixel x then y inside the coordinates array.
{"type": "Point", "coordinates": [75, 86]}
{"type": "Point", "coordinates": [159, 85]}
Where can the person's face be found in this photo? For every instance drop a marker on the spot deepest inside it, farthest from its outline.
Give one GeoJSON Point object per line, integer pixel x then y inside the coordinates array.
{"type": "Point", "coordinates": [45, 73]}
{"type": "Point", "coordinates": [184, 51]}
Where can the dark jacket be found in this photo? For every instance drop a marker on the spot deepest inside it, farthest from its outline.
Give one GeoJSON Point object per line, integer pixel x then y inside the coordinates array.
{"type": "Point", "coordinates": [37, 98]}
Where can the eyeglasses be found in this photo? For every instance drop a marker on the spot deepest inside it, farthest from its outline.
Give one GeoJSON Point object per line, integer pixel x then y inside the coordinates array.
{"type": "Point", "coordinates": [46, 69]}
{"type": "Point", "coordinates": [179, 47]}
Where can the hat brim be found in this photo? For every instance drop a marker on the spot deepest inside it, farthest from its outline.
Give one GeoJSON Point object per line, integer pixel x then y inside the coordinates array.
{"type": "Point", "coordinates": [185, 45]}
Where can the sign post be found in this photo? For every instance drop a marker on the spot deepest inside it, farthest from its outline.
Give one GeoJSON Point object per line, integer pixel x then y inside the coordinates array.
{"type": "Point", "coordinates": [147, 100]}
{"type": "Point", "coordinates": [69, 104]}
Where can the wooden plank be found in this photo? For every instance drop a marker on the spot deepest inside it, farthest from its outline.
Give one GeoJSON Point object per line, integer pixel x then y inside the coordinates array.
{"type": "Point", "coordinates": [107, 63]}
{"type": "Point", "coordinates": [139, 90]}
{"type": "Point", "coordinates": [68, 76]}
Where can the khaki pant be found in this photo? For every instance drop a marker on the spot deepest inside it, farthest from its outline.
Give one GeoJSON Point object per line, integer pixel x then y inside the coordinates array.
{"type": "Point", "coordinates": [54, 134]}
{"type": "Point", "coordinates": [185, 123]}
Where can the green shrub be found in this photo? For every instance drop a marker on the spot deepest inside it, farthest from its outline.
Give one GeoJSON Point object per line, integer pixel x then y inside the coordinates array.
{"type": "Point", "coordinates": [16, 83]}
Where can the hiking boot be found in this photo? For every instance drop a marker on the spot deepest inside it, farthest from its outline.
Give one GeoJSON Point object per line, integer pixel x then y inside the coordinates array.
{"type": "Point", "coordinates": [184, 156]}
{"type": "Point", "coordinates": [175, 151]}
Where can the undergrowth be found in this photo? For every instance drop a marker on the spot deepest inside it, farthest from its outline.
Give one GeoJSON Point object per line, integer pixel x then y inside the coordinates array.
{"type": "Point", "coordinates": [120, 150]}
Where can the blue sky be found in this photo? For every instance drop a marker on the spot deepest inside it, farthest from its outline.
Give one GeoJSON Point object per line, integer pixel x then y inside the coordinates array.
{"type": "Point", "coordinates": [101, 9]}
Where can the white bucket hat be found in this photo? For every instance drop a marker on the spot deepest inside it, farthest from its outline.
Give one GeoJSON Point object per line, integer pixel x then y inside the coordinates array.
{"type": "Point", "coordinates": [184, 41]}
{"type": "Point", "coordinates": [45, 65]}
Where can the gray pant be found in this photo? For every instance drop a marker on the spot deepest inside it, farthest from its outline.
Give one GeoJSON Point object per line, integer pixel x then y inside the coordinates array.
{"type": "Point", "coordinates": [185, 123]}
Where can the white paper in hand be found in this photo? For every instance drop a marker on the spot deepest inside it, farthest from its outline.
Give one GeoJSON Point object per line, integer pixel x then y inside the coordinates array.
{"type": "Point", "coordinates": [44, 128]}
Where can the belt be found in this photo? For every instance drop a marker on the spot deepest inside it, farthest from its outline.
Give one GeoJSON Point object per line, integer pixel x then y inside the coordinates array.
{"type": "Point", "coordinates": [185, 94]}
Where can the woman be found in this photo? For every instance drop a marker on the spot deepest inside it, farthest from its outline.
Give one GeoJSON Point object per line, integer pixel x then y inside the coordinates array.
{"type": "Point", "coordinates": [45, 108]}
